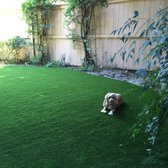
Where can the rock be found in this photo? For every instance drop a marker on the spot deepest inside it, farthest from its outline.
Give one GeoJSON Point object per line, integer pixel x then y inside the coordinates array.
{"type": "Point", "coordinates": [120, 75]}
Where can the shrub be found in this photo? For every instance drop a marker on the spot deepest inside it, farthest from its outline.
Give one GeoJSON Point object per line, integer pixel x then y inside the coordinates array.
{"type": "Point", "coordinates": [14, 45]}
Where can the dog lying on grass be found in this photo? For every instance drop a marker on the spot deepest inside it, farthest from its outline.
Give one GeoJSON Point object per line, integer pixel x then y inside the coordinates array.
{"type": "Point", "coordinates": [111, 102]}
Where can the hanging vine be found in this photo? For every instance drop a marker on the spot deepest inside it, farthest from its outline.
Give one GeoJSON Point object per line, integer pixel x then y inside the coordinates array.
{"type": "Point", "coordinates": [155, 49]}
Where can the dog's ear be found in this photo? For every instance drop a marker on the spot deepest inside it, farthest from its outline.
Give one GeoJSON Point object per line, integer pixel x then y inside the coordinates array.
{"type": "Point", "coordinates": [113, 95]}
{"type": "Point", "coordinates": [106, 96]}
{"type": "Point", "coordinates": [105, 102]}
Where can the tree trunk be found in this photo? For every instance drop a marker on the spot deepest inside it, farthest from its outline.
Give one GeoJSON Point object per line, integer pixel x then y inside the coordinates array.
{"type": "Point", "coordinates": [34, 43]}
{"type": "Point", "coordinates": [89, 61]}
{"type": "Point", "coordinates": [85, 27]}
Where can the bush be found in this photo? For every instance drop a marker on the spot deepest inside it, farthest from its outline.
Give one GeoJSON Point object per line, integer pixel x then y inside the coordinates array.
{"type": "Point", "coordinates": [57, 64]}
{"type": "Point", "coordinates": [14, 45]}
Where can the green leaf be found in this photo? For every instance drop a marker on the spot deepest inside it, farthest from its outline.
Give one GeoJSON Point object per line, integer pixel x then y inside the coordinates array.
{"type": "Point", "coordinates": [129, 56]}
{"type": "Point", "coordinates": [135, 25]}
{"type": "Point", "coordinates": [123, 55]}
{"type": "Point", "coordinates": [113, 32]}
{"type": "Point", "coordinates": [119, 31]}
{"type": "Point", "coordinates": [123, 38]}
{"type": "Point", "coordinates": [146, 43]}
{"type": "Point", "coordinates": [136, 14]}
{"type": "Point", "coordinates": [149, 65]}
{"type": "Point", "coordinates": [112, 59]}
{"type": "Point", "coordinates": [129, 34]}
{"type": "Point", "coordinates": [143, 33]}
{"type": "Point", "coordinates": [137, 61]}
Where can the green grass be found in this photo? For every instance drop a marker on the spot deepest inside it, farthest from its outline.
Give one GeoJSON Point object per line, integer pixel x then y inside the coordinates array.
{"type": "Point", "coordinates": [50, 118]}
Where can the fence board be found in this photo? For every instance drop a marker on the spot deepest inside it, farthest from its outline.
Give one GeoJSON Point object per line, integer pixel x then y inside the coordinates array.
{"type": "Point", "coordinates": [107, 20]}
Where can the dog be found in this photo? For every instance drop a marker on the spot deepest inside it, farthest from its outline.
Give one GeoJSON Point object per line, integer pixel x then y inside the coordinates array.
{"type": "Point", "coordinates": [111, 102]}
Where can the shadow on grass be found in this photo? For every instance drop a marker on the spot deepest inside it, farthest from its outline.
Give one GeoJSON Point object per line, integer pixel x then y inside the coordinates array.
{"type": "Point", "coordinates": [122, 111]}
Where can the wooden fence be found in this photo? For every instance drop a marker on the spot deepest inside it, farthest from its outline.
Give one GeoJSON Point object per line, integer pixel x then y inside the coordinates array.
{"type": "Point", "coordinates": [105, 45]}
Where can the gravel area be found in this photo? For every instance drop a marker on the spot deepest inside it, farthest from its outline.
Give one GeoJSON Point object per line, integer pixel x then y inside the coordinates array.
{"type": "Point", "coordinates": [123, 75]}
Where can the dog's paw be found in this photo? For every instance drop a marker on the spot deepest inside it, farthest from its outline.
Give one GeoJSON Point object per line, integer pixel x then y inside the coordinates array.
{"type": "Point", "coordinates": [110, 113]}
{"type": "Point", "coordinates": [103, 111]}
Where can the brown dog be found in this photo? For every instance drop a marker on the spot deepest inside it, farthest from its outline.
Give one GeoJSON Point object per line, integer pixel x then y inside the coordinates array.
{"type": "Point", "coordinates": [111, 102]}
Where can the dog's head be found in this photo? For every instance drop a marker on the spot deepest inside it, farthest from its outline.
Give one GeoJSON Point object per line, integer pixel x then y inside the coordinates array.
{"type": "Point", "coordinates": [110, 98]}
{"type": "Point", "coordinates": [112, 101]}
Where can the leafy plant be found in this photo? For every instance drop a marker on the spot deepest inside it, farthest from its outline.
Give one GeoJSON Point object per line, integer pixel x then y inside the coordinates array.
{"type": "Point", "coordinates": [15, 44]}
{"type": "Point", "coordinates": [35, 13]}
{"type": "Point", "coordinates": [153, 50]}
{"type": "Point", "coordinates": [57, 64]}
{"type": "Point", "coordinates": [80, 21]}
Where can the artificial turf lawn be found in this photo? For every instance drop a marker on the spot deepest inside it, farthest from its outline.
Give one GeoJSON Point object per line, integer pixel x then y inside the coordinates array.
{"type": "Point", "coordinates": [50, 118]}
